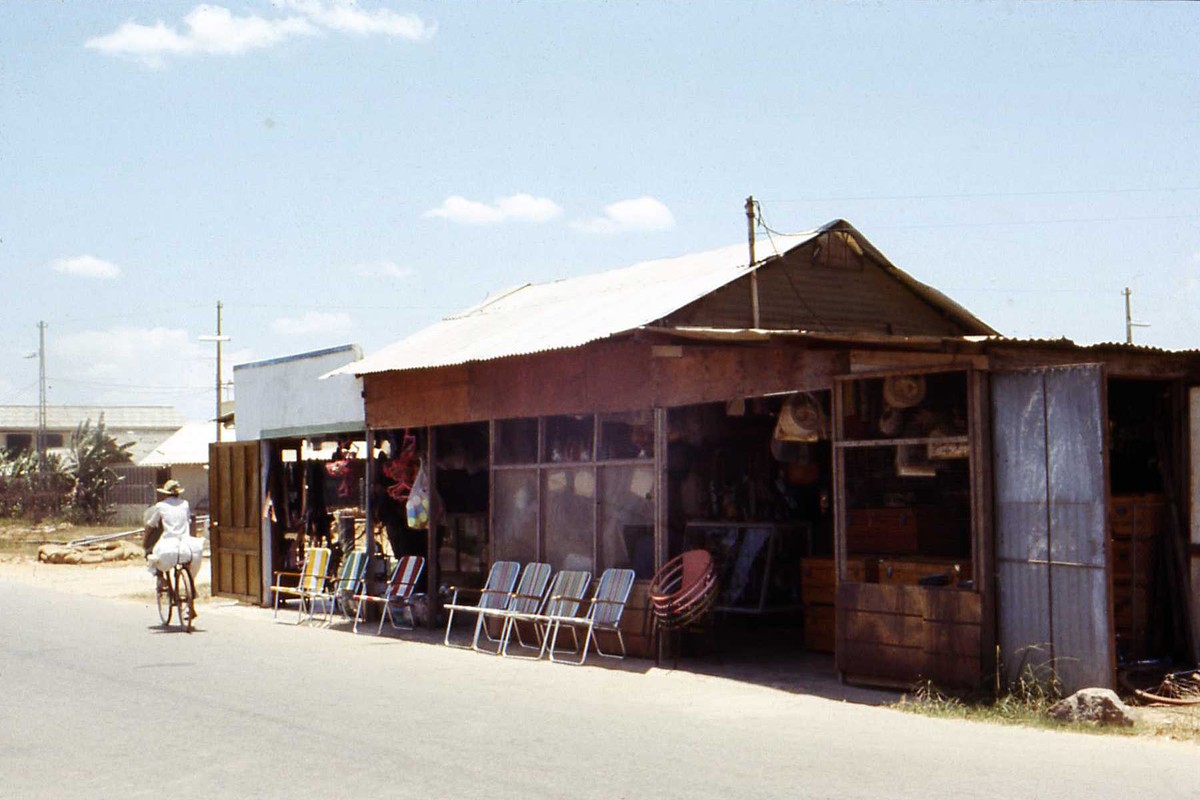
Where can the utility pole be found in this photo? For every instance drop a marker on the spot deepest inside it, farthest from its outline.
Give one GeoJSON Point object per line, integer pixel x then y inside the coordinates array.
{"type": "Point", "coordinates": [41, 424]}
{"type": "Point", "coordinates": [1129, 323]}
{"type": "Point", "coordinates": [750, 220]}
{"type": "Point", "coordinates": [219, 339]}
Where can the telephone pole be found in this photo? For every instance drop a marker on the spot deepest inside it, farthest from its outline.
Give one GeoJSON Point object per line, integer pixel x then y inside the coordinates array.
{"type": "Point", "coordinates": [219, 339]}
{"type": "Point", "coordinates": [751, 217]}
{"type": "Point", "coordinates": [41, 423]}
{"type": "Point", "coordinates": [1129, 323]}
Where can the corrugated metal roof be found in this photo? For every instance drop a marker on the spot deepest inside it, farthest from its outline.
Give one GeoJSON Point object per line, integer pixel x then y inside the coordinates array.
{"type": "Point", "coordinates": [188, 445]}
{"type": "Point", "coordinates": [534, 318]}
{"type": "Point", "coordinates": [115, 417]}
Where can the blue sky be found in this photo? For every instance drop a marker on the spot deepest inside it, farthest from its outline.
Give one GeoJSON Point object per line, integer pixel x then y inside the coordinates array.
{"type": "Point", "coordinates": [340, 172]}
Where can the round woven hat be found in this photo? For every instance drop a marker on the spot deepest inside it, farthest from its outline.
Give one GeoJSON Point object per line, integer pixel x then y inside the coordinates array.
{"type": "Point", "coordinates": [903, 391]}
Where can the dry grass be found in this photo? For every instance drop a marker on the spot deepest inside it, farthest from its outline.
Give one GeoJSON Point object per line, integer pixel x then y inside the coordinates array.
{"type": "Point", "coordinates": [21, 538]}
{"type": "Point", "coordinates": [1027, 704]}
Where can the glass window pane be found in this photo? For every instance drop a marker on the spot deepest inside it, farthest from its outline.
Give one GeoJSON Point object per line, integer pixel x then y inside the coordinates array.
{"type": "Point", "coordinates": [570, 508]}
{"type": "Point", "coordinates": [627, 435]}
{"type": "Point", "coordinates": [515, 508]}
{"type": "Point", "coordinates": [516, 441]}
{"type": "Point", "coordinates": [626, 536]}
{"type": "Point", "coordinates": [569, 439]}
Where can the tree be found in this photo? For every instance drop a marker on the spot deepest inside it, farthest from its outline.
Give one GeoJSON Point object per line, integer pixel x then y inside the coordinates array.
{"type": "Point", "coordinates": [92, 454]}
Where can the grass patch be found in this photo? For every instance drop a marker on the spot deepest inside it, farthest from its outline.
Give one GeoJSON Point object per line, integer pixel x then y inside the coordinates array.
{"type": "Point", "coordinates": [21, 537]}
{"type": "Point", "coordinates": [1027, 704]}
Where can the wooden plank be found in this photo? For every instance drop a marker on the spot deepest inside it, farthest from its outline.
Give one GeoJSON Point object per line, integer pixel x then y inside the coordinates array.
{"type": "Point", "coordinates": [881, 628]}
{"type": "Point", "coordinates": [953, 639]}
{"type": "Point", "coordinates": [951, 605]}
{"type": "Point", "coordinates": [878, 661]}
{"type": "Point", "coordinates": [894, 599]}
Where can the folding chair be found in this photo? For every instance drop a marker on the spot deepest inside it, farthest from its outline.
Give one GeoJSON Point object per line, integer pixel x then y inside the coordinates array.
{"type": "Point", "coordinates": [604, 613]}
{"type": "Point", "coordinates": [344, 587]}
{"type": "Point", "coordinates": [495, 594]}
{"type": "Point", "coordinates": [527, 599]}
{"type": "Point", "coordinates": [310, 580]}
{"type": "Point", "coordinates": [398, 595]}
{"type": "Point", "coordinates": [563, 598]}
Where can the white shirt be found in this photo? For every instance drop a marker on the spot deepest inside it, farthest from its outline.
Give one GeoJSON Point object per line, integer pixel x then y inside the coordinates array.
{"type": "Point", "coordinates": [174, 515]}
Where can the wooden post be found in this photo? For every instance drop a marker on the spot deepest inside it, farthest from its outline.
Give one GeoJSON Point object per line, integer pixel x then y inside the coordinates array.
{"type": "Point", "coordinates": [661, 506]}
{"type": "Point", "coordinates": [432, 573]}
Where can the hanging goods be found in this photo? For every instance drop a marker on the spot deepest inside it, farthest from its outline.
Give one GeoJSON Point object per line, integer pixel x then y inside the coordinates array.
{"type": "Point", "coordinates": [801, 419]}
{"type": "Point", "coordinates": [903, 391]}
{"type": "Point", "coordinates": [418, 500]}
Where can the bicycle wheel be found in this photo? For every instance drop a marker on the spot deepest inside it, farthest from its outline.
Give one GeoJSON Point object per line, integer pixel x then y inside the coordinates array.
{"type": "Point", "coordinates": [166, 600]}
{"type": "Point", "coordinates": [185, 594]}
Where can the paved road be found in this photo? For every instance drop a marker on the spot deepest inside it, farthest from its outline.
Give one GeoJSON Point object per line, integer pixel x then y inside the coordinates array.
{"type": "Point", "coordinates": [100, 704]}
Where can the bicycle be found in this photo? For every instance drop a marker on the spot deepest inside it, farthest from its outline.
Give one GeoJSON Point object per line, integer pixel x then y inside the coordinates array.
{"type": "Point", "coordinates": [176, 593]}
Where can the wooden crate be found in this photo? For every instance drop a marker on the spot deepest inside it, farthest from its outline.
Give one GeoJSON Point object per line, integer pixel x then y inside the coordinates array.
{"type": "Point", "coordinates": [819, 628]}
{"type": "Point", "coordinates": [818, 581]}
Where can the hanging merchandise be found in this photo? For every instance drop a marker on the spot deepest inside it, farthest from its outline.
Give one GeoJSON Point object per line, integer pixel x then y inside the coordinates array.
{"type": "Point", "coordinates": [418, 500]}
{"type": "Point", "coordinates": [801, 419]}
{"type": "Point", "coordinates": [903, 391]}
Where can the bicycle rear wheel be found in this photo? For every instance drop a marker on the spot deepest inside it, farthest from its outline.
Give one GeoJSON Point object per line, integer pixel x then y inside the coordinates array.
{"type": "Point", "coordinates": [166, 603]}
{"type": "Point", "coordinates": [185, 594]}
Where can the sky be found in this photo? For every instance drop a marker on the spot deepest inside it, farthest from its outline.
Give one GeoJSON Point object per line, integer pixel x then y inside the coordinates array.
{"type": "Point", "coordinates": [338, 172]}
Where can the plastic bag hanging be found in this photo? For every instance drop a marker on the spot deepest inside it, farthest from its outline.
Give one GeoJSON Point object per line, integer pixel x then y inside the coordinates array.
{"type": "Point", "coordinates": [418, 500]}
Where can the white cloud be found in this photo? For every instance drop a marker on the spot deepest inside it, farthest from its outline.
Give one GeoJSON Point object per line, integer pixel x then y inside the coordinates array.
{"type": "Point", "coordinates": [313, 322]}
{"type": "Point", "coordinates": [86, 267]}
{"type": "Point", "coordinates": [131, 365]}
{"type": "Point", "coordinates": [208, 30]}
{"type": "Point", "coordinates": [382, 269]}
{"type": "Point", "coordinates": [215, 30]}
{"type": "Point", "coordinates": [515, 208]}
{"type": "Point", "coordinates": [347, 17]}
{"type": "Point", "coordinates": [627, 216]}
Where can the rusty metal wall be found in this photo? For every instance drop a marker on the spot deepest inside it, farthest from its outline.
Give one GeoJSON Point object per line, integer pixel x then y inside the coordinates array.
{"type": "Point", "coordinates": [1051, 503]}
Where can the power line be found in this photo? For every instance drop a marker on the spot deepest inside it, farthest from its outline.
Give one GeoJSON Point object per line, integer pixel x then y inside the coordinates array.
{"type": "Point", "coordinates": [968, 195]}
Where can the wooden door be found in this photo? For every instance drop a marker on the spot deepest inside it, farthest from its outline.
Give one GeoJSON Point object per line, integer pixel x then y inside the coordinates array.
{"type": "Point", "coordinates": [1051, 499]}
{"type": "Point", "coordinates": [235, 506]}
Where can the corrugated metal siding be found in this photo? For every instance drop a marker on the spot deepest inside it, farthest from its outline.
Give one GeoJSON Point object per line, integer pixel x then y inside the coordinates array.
{"type": "Point", "coordinates": [1051, 499]}
{"type": "Point", "coordinates": [1079, 593]}
{"type": "Point", "coordinates": [1021, 523]}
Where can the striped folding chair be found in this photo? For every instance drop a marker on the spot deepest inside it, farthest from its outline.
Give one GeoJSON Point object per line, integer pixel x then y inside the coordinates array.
{"type": "Point", "coordinates": [310, 580]}
{"type": "Point", "coordinates": [526, 599]}
{"type": "Point", "coordinates": [340, 590]}
{"type": "Point", "coordinates": [564, 597]}
{"type": "Point", "coordinates": [603, 613]}
{"type": "Point", "coordinates": [495, 595]}
{"type": "Point", "coordinates": [398, 596]}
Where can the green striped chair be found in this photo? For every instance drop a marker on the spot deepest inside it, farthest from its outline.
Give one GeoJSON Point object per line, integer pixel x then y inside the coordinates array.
{"type": "Point", "coordinates": [603, 613]}
{"type": "Point", "coordinates": [338, 591]}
